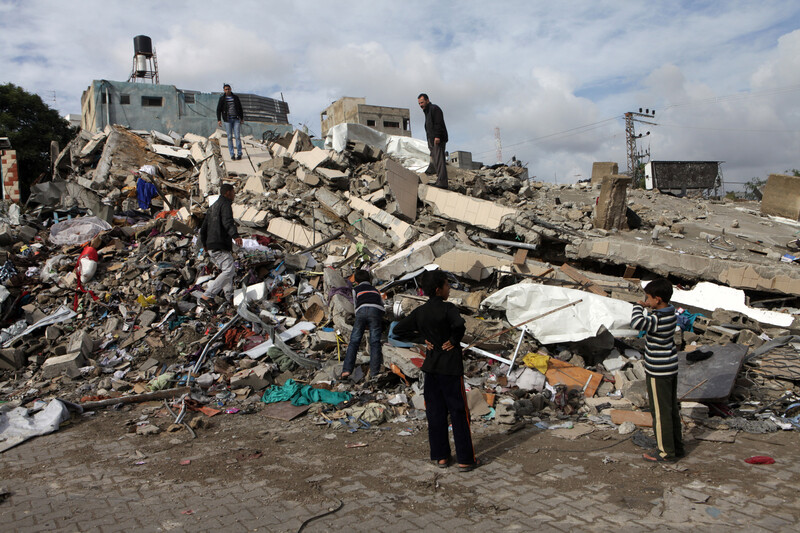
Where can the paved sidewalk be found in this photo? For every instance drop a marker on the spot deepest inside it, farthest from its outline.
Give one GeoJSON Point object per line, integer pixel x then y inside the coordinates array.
{"type": "Point", "coordinates": [86, 477]}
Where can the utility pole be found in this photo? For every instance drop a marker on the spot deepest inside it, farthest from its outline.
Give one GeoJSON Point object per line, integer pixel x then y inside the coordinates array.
{"type": "Point", "coordinates": [498, 145]}
{"type": "Point", "coordinates": [630, 137]}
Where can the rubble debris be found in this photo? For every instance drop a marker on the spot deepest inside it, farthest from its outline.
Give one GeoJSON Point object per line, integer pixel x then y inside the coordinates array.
{"type": "Point", "coordinates": [514, 249]}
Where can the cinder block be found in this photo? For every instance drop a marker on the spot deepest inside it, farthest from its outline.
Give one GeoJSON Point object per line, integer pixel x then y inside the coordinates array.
{"type": "Point", "coordinates": [70, 364]}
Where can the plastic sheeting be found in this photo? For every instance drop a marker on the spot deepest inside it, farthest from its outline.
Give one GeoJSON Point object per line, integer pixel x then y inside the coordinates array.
{"type": "Point", "coordinates": [77, 230]}
{"type": "Point", "coordinates": [412, 153]}
{"type": "Point", "coordinates": [524, 301]}
{"type": "Point", "coordinates": [707, 295]}
{"type": "Point", "coordinates": [17, 425]}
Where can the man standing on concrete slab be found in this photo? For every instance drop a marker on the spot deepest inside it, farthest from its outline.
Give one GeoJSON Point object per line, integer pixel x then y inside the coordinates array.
{"type": "Point", "coordinates": [216, 234]}
{"type": "Point", "coordinates": [436, 131]}
{"type": "Point", "coordinates": [229, 110]}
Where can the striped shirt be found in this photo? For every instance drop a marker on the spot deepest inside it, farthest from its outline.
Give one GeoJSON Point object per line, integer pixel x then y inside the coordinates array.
{"type": "Point", "coordinates": [660, 354]}
{"type": "Point", "coordinates": [365, 295]}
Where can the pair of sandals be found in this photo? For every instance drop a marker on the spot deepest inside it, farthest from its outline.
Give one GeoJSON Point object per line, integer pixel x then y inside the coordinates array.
{"type": "Point", "coordinates": [461, 467]}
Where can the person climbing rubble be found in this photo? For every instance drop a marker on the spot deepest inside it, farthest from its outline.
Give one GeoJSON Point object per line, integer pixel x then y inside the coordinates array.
{"type": "Point", "coordinates": [145, 188]}
{"type": "Point", "coordinates": [216, 234]}
{"type": "Point", "coordinates": [369, 313]}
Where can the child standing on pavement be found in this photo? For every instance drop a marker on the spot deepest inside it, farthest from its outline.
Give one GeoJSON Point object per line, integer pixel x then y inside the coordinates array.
{"type": "Point", "coordinates": [661, 368]}
{"type": "Point", "coordinates": [442, 328]}
{"type": "Point", "coordinates": [369, 313]}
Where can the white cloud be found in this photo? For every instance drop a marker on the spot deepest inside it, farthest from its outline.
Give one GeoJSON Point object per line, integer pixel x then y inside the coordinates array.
{"type": "Point", "coordinates": [531, 68]}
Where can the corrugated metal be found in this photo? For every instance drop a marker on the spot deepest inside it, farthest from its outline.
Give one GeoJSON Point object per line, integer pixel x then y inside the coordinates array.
{"type": "Point", "coordinates": [263, 109]}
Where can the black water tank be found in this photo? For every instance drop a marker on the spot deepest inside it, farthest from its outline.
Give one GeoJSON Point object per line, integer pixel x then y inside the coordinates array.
{"type": "Point", "coordinates": [143, 45]}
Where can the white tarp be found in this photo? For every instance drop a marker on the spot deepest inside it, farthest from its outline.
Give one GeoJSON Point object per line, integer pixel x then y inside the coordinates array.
{"type": "Point", "coordinates": [707, 295]}
{"type": "Point", "coordinates": [77, 230]}
{"type": "Point", "coordinates": [524, 301]}
{"type": "Point", "coordinates": [412, 153]}
{"type": "Point", "coordinates": [17, 425]}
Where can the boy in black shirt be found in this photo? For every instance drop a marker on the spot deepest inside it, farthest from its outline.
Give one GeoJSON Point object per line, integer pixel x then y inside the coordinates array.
{"type": "Point", "coordinates": [442, 328]}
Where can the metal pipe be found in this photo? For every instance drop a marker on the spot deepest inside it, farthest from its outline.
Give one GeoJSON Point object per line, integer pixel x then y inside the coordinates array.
{"type": "Point", "coordinates": [513, 244]}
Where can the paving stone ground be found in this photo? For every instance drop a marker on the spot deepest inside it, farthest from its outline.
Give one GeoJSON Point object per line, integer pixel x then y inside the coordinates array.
{"type": "Point", "coordinates": [253, 474]}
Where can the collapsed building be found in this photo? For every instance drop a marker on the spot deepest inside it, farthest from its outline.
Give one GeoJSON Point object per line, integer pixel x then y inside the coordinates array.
{"type": "Point", "coordinates": [566, 261]}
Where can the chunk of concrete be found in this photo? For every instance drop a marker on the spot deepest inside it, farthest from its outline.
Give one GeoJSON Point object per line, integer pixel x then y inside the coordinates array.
{"type": "Point", "coordinates": [781, 196]}
{"type": "Point", "coordinates": [255, 185]}
{"type": "Point", "coordinates": [611, 209]}
{"type": "Point", "coordinates": [400, 232]}
{"type": "Point", "coordinates": [311, 159]}
{"type": "Point", "coordinates": [81, 342]}
{"type": "Point", "coordinates": [332, 201]}
{"type": "Point", "coordinates": [403, 184]}
{"type": "Point", "coordinates": [12, 358]}
{"type": "Point", "coordinates": [69, 364]}
{"type": "Point", "coordinates": [293, 232]}
{"type": "Point", "coordinates": [601, 170]}
{"type": "Point", "coordinates": [414, 257]}
{"type": "Point", "coordinates": [257, 378]}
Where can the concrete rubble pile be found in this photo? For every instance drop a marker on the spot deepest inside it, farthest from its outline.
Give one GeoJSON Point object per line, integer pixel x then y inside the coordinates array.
{"type": "Point", "coordinates": [133, 329]}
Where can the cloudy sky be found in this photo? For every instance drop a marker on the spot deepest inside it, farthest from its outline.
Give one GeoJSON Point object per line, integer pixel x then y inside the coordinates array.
{"type": "Point", "coordinates": [554, 77]}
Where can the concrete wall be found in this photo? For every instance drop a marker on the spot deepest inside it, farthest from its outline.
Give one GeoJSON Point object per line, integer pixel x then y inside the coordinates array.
{"type": "Point", "coordinates": [781, 196]}
{"type": "Point", "coordinates": [602, 169]}
{"type": "Point", "coordinates": [10, 175]}
{"type": "Point", "coordinates": [176, 113]}
{"type": "Point", "coordinates": [353, 110]}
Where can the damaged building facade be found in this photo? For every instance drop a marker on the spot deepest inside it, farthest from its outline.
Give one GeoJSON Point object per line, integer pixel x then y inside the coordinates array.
{"type": "Point", "coordinates": [147, 107]}
{"type": "Point", "coordinates": [350, 110]}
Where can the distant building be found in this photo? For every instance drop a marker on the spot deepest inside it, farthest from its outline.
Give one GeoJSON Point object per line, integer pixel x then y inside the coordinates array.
{"type": "Point", "coordinates": [165, 108]}
{"type": "Point", "coordinates": [392, 120]}
{"type": "Point", "coordinates": [680, 176]}
{"type": "Point", "coordinates": [74, 120]}
{"type": "Point", "coordinates": [463, 159]}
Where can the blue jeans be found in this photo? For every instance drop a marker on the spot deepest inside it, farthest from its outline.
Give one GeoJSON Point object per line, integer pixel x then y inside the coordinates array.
{"type": "Point", "coordinates": [233, 129]}
{"type": "Point", "coordinates": [371, 317]}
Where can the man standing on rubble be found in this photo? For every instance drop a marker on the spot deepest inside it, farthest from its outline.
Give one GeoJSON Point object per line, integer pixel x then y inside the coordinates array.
{"type": "Point", "coordinates": [229, 110]}
{"type": "Point", "coordinates": [216, 234]}
{"type": "Point", "coordinates": [436, 131]}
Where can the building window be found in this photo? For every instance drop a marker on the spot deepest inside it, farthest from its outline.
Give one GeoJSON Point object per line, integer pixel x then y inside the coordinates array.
{"type": "Point", "coordinates": [125, 99]}
{"type": "Point", "coordinates": [370, 122]}
{"type": "Point", "coordinates": [102, 98]}
{"type": "Point", "coordinates": [406, 124]}
{"type": "Point", "coordinates": [152, 101]}
{"type": "Point", "coordinates": [388, 124]}
{"type": "Point", "coordinates": [188, 98]}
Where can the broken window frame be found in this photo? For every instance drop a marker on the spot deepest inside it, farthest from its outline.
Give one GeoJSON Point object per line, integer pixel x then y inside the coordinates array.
{"type": "Point", "coordinates": [391, 124]}
{"type": "Point", "coordinates": [150, 101]}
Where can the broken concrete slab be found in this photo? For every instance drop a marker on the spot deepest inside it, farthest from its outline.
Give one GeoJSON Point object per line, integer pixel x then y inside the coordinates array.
{"type": "Point", "coordinates": [313, 158]}
{"type": "Point", "coordinates": [404, 186]}
{"type": "Point", "coordinates": [401, 232]}
{"type": "Point", "coordinates": [779, 277]}
{"type": "Point", "coordinates": [332, 201]}
{"type": "Point", "coordinates": [461, 208]}
{"type": "Point", "coordinates": [293, 232]}
{"type": "Point", "coordinates": [416, 256]}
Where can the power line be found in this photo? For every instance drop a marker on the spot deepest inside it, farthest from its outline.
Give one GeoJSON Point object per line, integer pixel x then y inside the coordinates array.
{"type": "Point", "coordinates": [726, 129]}
{"type": "Point", "coordinates": [571, 131]}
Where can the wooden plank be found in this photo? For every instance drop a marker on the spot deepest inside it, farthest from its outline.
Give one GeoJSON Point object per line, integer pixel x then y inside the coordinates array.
{"type": "Point", "coordinates": [573, 377]}
{"type": "Point", "coordinates": [585, 282]}
{"type": "Point", "coordinates": [630, 270]}
{"type": "Point", "coordinates": [520, 256]}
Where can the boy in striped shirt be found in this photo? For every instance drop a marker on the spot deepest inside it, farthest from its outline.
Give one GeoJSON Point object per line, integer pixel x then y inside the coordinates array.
{"type": "Point", "coordinates": [368, 303]}
{"type": "Point", "coordinates": [661, 367]}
